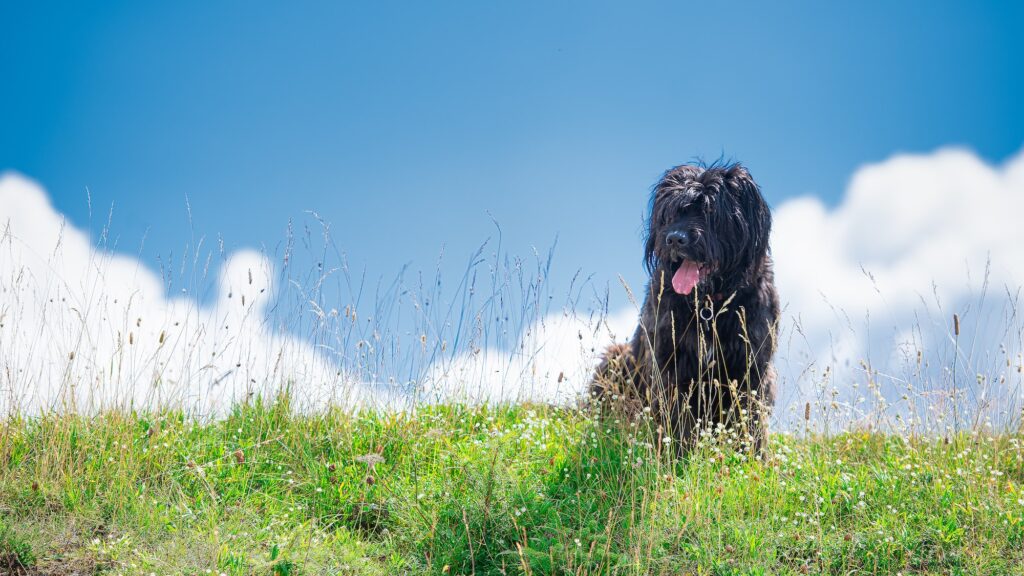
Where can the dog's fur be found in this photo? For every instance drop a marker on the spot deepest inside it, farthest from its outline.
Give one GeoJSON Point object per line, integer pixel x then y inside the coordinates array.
{"type": "Point", "coordinates": [702, 359]}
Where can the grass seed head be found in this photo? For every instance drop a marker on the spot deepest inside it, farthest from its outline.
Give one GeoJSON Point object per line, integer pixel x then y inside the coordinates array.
{"type": "Point", "coordinates": [371, 459]}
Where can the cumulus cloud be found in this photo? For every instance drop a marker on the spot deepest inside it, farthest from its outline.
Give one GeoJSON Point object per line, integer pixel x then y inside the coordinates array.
{"type": "Point", "coordinates": [903, 225]}
{"type": "Point", "coordinates": [869, 289]}
{"type": "Point", "coordinates": [914, 240]}
{"type": "Point", "coordinates": [552, 361]}
{"type": "Point", "coordinates": [83, 329]}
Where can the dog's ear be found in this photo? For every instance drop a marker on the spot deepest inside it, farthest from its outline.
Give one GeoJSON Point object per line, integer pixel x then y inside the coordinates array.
{"type": "Point", "coordinates": [756, 213]}
{"type": "Point", "coordinates": [650, 260]}
{"type": "Point", "coordinates": [670, 180]}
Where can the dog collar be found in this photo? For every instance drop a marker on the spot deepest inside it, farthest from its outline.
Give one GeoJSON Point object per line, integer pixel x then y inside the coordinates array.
{"type": "Point", "coordinates": [706, 314]}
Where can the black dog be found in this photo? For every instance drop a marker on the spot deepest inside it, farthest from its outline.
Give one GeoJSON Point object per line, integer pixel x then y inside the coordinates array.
{"type": "Point", "coordinates": [701, 356]}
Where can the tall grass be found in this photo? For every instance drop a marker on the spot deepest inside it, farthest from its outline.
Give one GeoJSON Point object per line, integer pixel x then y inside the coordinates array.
{"type": "Point", "coordinates": [307, 419]}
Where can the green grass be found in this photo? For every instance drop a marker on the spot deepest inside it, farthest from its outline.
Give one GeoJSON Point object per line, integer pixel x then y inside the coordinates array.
{"type": "Point", "coordinates": [516, 490]}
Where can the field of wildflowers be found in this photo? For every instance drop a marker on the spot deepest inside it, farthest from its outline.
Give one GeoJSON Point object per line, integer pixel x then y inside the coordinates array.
{"type": "Point", "coordinates": [525, 489]}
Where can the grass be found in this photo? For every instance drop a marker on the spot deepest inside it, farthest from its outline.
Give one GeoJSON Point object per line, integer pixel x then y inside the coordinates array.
{"type": "Point", "coordinates": [911, 467]}
{"type": "Point", "coordinates": [524, 489]}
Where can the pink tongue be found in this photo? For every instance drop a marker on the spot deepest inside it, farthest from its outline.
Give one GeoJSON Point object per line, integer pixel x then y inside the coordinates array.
{"type": "Point", "coordinates": [686, 277]}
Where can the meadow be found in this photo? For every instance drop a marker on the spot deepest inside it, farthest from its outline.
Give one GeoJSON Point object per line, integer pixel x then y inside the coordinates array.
{"type": "Point", "coordinates": [523, 489]}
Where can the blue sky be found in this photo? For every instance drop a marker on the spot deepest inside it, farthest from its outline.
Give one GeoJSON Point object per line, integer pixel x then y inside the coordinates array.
{"type": "Point", "coordinates": [409, 125]}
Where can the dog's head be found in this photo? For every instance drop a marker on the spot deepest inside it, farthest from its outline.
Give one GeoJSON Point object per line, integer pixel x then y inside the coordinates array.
{"type": "Point", "coordinates": [708, 226]}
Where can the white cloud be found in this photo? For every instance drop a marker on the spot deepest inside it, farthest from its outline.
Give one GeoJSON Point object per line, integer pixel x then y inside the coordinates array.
{"type": "Point", "coordinates": [878, 278]}
{"type": "Point", "coordinates": [875, 278]}
{"type": "Point", "coordinates": [84, 328]}
{"type": "Point", "coordinates": [552, 361]}
{"type": "Point", "coordinates": [909, 221]}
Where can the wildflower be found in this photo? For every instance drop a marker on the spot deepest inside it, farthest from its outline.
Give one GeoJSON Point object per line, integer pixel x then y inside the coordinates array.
{"type": "Point", "coordinates": [371, 459]}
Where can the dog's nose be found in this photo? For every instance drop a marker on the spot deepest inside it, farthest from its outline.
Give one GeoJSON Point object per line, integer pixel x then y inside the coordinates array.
{"type": "Point", "coordinates": [676, 239]}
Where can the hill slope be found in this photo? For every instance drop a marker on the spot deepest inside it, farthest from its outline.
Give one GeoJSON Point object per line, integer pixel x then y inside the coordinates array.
{"type": "Point", "coordinates": [513, 490]}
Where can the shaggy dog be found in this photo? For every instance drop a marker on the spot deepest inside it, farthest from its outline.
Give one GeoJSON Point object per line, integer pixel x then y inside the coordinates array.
{"type": "Point", "coordinates": [701, 356]}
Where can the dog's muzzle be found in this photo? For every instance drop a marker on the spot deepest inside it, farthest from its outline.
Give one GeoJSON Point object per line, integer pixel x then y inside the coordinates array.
{"type": "Point", "coordinates": [677, 240]}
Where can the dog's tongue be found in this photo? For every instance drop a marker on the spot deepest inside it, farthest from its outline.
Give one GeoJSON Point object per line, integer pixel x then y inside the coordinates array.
{"type": "Point", "coordinates": [686, 277]}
